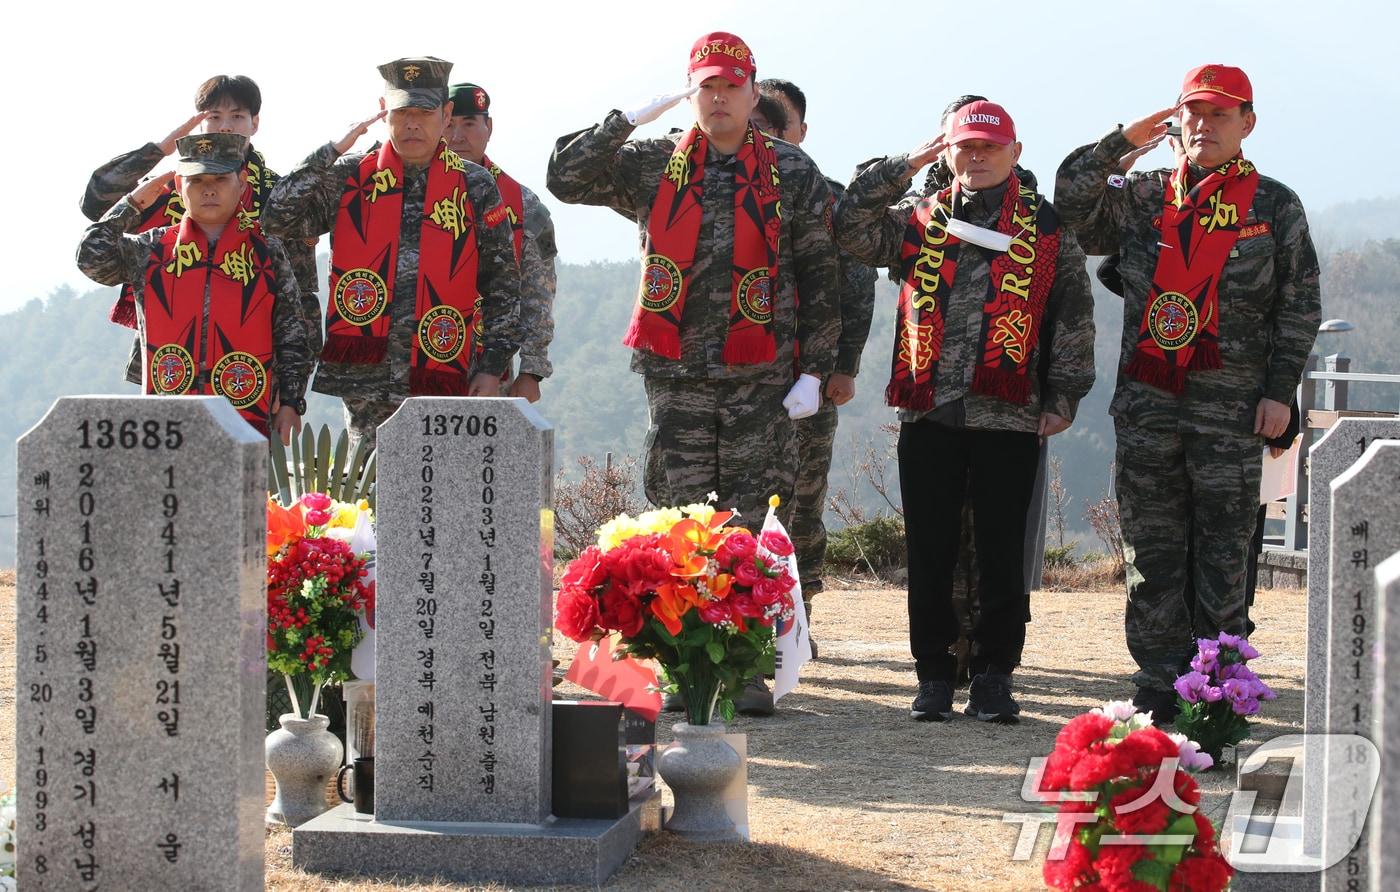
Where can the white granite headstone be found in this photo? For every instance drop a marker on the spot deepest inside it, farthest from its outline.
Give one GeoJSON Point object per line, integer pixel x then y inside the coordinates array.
{"type": "Point", "coordinates": [1385, 722]}
{"type": "Point", "coordinates": [1365, 529]}
{"type": "Point", "coordinates": [141, 646]}
{"type": "Point", "coordinates": [463, 613]}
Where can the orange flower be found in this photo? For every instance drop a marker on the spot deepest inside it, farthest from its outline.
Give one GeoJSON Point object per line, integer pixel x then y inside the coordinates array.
{"type": "Point", "coordinates": [721, 585]}
{"type": "Point", "coordinates": [283, 525]}
{"type": "Point", "coordinates": [672, 602]}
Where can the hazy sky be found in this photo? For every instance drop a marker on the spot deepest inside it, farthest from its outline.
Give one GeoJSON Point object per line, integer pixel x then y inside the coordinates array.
{"type": "Point", "coordinates": [88, 81]}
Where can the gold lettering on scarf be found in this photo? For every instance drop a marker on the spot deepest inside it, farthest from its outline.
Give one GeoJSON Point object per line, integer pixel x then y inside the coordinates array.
{"type": "Point", "coordinates": [174, 209]}
{"type": "Point", "coordinates": [448, 213]}
{"type": "Point", "coordinates": [1220, 215]}
{"type": "Point", "coordinates": [678, 167]}
{"type": "Point", "coordinates": [1012, 332]}
{"type": "Point", "coordinates": [916, 345]}
{"type": "Point", "coordinates": [383, 181]}
{"type": "Point", "coordinates": [187, 254]}
{"type": "Point", "coordinates": [451, 161]}
{"type": "Point", "coordinates": [929, 263]}
{"type": "Point", "coordinates": [238, 265]}
{"type": "Point", "coordinates": [247, 219]}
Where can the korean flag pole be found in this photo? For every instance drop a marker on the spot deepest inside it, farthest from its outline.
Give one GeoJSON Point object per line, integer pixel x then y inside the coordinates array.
{"type": "Point", "coordinates": [793, 646]}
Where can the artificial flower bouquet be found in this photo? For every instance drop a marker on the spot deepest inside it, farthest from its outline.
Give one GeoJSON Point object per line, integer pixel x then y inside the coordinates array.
{"type": "Point", "coordinates": [1129, 816]}
{"type": "Point", "coordinates": [1219, 693]}
{"type": "Point", "coordinates": [316, 592]}
{"type": "Point", "coordinates": [683, 589]}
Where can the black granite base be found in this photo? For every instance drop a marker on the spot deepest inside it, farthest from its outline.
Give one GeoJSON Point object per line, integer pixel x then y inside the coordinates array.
{"type": "Point", "coordinates": [566, 850]}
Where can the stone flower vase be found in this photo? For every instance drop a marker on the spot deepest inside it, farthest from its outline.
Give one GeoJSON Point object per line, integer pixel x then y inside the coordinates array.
{"type": "Point", "coordinates": [698, 767]}
{"type": "Point", "coordinates": [302, 755]}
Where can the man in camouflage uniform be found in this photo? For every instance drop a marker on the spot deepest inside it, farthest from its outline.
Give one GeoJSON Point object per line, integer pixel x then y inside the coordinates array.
{"type": "Point", "coordinates": [210, 172]}
{"type": "Point", "coordinates": [223, 104]}
{"type": "Point", "coordinates": [305, 204]}
{"type": "Point", "coordinates": [1189, 461]}
{"type": "Point", "coordinates": [718, 426]}
{"type": "Point", "coordinates": [468, 135]}
{"type": "Point", "coordinates": [965, 427]}
{"type": "Point", "coordinates": [816, 436]}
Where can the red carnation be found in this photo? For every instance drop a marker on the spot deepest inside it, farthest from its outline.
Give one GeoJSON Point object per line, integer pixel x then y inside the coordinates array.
{"type": "Point", "coordinates": [585, 571]}
{"type": "Point", "coordinates": [1083, 730]}
{"type": "Point", "coordinates": [576, 614]}
{"type": "Point", "coordinates": [1115, 867]}
{"type": "Point", "coordinates": [1208, 872]}
{"type": "Point", "coordinates": [621, 611]}
{"type": "Point", "coordinates": [1074, 871]}
{"type": "Point", "coordinates": [1137, 810]}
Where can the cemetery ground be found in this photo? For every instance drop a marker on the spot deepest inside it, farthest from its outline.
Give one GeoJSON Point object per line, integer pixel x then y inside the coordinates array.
{"type": "Point", "coordinates": [845, 791]}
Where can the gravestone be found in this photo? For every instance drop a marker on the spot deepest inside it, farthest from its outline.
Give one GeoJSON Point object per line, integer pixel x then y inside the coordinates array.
{"type": "Point", "coordinates": [141, 646]}
{"type": "Point", "coordinates": [1385, 816]}
{"type": "Point", "coordinates": [462, 662]}
{"type": "Point", "coordinates": [1337, 450]}
{"type": "Point", "coordinates": [1365, 528]}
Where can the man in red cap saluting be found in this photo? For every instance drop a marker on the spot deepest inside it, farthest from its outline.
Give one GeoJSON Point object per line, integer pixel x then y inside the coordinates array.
{"type": "Point", "coordinates": [994, 348]}
{"type": "Point", "coordinates": [734, 226]}
{"type": "Point", "coordinates": [1221, 307]}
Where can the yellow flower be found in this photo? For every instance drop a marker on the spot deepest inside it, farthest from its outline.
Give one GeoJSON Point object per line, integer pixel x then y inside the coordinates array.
{"type": "Point", "coordinates": [699, 513]}
{"type": "Point", "coordinates": [616, 531]}
{"type": "Point", "coordinates": [344, 514]}
{"type": "Point", "coordinates": [658, 520]}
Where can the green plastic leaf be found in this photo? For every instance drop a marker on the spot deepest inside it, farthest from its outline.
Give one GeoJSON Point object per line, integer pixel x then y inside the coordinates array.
{"type": "Point", "coordinates": [716, 651]}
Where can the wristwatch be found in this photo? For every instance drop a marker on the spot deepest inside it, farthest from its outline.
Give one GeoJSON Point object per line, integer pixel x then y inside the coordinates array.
{"type": "Point", "coordinates": [298, 406]}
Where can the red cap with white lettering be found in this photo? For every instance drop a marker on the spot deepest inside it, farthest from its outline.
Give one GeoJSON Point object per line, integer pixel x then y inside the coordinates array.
{"type": "Point", "coordinates": [720, 53]}
{"type": "Point", "coordinates": [982, 120]}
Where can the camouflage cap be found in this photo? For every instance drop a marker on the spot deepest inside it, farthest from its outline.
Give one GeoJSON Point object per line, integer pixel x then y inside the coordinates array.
{"type": "Point", "coordinates": [211, 153]}
{"type": "Point", "coordinates": [469, 99]}
{"type": "Point", "coordinates": [419, 82]}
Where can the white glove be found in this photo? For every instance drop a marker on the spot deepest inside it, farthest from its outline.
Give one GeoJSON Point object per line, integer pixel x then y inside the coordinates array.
{"type": "Point", "coordinates": [805, 397]}
{"type": "Point", "coordinates": [657, 106]}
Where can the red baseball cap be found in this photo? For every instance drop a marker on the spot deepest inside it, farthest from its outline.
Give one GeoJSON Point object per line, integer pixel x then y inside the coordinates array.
{"type": "Point", "coordinates": [982, 120]}
{"type": "Point", "coordinates": [720, 53]}
{"type": "Point", "coordinates": [1225, 86]}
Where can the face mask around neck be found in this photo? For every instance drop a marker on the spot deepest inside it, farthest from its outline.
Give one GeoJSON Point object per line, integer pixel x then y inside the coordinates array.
{"type": "Point", "coordinates": [980, 236]}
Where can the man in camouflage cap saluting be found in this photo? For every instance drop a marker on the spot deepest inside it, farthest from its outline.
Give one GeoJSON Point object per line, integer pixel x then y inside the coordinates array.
{"type": "Point", "coordinates": [424, 289]}
{"type": "Point", "coordinates": [218, 308]}
{"type": "Point", "coordinates": [1221, 307]}
{"type": "Point", "coordinates": [532, 232]}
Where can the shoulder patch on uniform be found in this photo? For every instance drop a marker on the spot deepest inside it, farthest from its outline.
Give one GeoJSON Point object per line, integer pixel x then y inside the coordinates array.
{"type": "Point", "coordinates": [1255, 230]}
{"type": "Point", "coordinates": [496, 215]}
{"type": "Point", "coordinates": [1117, 180]}
{"type": "Point", "coordinates": [826, 212]}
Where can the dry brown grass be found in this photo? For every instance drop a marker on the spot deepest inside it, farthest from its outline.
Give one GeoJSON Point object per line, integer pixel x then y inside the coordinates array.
{"type": "Point", "coordinates": [1092, 574]}
{"type": "Point", "coordinates": [845, 791]}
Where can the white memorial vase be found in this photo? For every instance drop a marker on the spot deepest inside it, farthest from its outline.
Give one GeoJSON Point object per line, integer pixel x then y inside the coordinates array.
{"type": "Point", "coordinates": [698, 767]}
{"type": "Point", "coordinates": [302, 756]}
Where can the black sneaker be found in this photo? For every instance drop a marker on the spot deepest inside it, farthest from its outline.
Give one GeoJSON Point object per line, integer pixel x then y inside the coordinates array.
{"type": "Point", "coordinates": [989, 699]}
{"type": "Point", "coordinates": [813, 642]}
{"type": "Point", "coordinates": [934, 702]}
{"type": "Point", "coordinates": [1162, 705]}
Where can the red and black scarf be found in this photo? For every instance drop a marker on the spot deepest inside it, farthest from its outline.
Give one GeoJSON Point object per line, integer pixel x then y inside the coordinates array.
{"type": "Point", "coordinates": [234, 359]}
{"type": "Point", "coordinates": [673, 230]}
{"type": "Point", "coordinates": [1017, 290]}
{"type": "Point", "coordinates": [169, 209]}
{"type": "Point", "coordinates": [1180, 328]}
{"type": "Point", "coordinates": [364, 257]}
{"type": "Point", "coordinates": [513, 203]}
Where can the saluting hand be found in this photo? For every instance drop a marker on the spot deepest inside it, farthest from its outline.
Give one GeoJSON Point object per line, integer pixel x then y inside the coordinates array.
{"type": "Point", "coordinates": [167, 145]}
{"type": "Point", "coordinates": [926, 154]}
{"type": "Point", "coordinates": [150, 189]}
{"type": "Point", "coordinates": [358, 130]}
{"type": "Point", "coordinates": [1144, 130]}
{"type": "Point", "coordinates": [657, 106]}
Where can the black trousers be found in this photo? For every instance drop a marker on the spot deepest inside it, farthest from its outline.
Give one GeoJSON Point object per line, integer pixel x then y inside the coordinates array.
{"type": "Point", "coordinates": [938, 466]}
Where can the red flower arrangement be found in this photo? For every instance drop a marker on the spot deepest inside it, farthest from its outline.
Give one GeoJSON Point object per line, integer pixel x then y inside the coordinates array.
{"type": "Point", "coordinates": [1129, 816]}
{"type": "Point", "coordinates": [681, 588]}
{"type": "Point", "coordinates": [315, 593]}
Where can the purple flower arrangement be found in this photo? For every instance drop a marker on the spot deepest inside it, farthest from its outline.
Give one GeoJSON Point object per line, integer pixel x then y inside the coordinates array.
{"type": "Point", "coordinates": [1219, 693]}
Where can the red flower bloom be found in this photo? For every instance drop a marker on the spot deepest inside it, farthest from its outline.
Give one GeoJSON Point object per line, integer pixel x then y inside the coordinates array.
{"type": "Point", "coordinates": [1074, 871]}
{"type": "Point", "coordinates": [621, 611]}
{"type": "Point", "coordinates": [1207, 872]}
{"type": "Point", "coordinates": [586, 571]}
{"type": "Point", "coordinates": [776, 542]}
{"type": "Point", "coordinates": [744, 605]}
{"type": "Point", "coordinates": [746, 573]}
{"type": "Point", "coordinates": [767, 591]}
{"type": "Point", "coordinates": [1149, 813]}
{"type": "Point", "coordinates": [576, 614]}
{"type": "Point", "coordinates": [1083, 730]}
{"type": "Point", "coordinates": [741, 544]}
{"type": "Point", "coordinates": [1115, 867]}
{"type": "Point", "coordinates": [717, 613]}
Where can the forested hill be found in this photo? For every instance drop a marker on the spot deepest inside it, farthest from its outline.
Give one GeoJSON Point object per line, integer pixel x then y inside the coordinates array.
{"type": "Point", "coordinates": [65, 345]}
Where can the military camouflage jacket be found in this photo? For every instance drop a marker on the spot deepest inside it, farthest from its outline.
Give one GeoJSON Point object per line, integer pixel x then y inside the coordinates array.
{"type": "Point", "coordinates": [1270, 303]}
{"type": "Point", "coordinates": [538, 281]}
{"type": "Point", "coordinates": [601, 166]}
{"type": "Point", "coordinates": [305, 204]}
{"type": "Point", "coordinates": [110, 256]}
{"type": "Point", "coordinates": [857, 303]}
{"type": "Point", "coordinates": [118, 177]}
{"type": "Point", "coordinates": [870, 223]}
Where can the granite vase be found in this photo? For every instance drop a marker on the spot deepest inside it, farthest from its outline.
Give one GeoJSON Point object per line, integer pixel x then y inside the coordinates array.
{"type": "Point", "coordinates": [302, 756]}
{"type": "Point", "coordinates": [698, 767]}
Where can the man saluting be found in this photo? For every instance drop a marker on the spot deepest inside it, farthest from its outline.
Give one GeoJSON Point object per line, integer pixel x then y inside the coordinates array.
{"type": "Point", "coordinates": [424, 290]}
